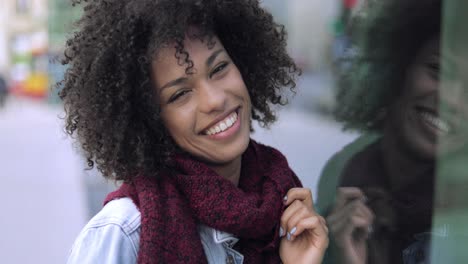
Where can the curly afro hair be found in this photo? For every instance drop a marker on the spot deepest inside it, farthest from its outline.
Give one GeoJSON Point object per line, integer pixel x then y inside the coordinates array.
{"type": "Point", "coordinates": [386, 38]}
{"type": "Point", "coordinates": [108, 93]}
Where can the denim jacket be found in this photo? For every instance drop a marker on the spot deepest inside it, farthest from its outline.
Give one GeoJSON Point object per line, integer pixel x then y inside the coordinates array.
{"type": "Point", "coordinates": [113, 235]}
{"type": "Point", "coordinates": [419, 252]}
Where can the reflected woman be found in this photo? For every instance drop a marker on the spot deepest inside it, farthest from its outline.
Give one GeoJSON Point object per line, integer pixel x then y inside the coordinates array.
{"type": "Point", "coordinates": [383, 208]}
{"type": "Point", "coordinates": [161, 95]}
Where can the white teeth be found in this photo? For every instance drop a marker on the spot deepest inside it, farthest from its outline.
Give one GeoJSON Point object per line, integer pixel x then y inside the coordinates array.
{"type": "Point", "coordinates": [222, 125]}
{"type": "Point", "coordinates": [435, 122]}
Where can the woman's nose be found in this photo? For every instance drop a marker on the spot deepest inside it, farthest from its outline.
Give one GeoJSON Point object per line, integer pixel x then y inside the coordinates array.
{"type": "Point", "coordinates": [211, 98]}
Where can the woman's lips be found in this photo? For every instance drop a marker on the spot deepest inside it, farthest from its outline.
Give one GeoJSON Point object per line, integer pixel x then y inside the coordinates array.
{"type": "Point", "coordinates": [222, 125]}
{"type": "Point", "coordinates": [433, 120]}
{"type": "Point", "coordinates": [226, 128]}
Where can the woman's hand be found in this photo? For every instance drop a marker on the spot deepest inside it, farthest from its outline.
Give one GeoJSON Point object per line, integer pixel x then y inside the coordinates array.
{"type": "Point", "coordinates": [304, 232]}
{"type": "Point", "coordinates": [350, 223]}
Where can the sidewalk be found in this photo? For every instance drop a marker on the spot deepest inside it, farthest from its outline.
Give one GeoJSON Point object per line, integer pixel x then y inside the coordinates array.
{"type": "Point", "coordinates": [43, 198]}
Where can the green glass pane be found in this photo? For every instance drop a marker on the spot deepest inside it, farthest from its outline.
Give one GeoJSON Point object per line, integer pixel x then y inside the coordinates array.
{"type": "Point", "coordinates": [450, 224]}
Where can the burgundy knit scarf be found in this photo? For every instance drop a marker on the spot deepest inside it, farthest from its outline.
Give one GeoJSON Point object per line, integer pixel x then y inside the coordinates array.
{"type": "Point", "coordinates": [173, 205]}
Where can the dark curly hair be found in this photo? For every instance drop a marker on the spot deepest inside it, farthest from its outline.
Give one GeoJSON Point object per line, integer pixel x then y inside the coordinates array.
{"type": "Point", "coordinates": [108, 94]}
{"type": "Point", "coordinates": [387, 39]}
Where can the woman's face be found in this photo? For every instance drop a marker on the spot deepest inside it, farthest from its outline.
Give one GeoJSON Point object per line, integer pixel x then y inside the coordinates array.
{"type": "Point", "coordinates": [414, 116]}
{"type": "Point", "coordinates": [207, 113]}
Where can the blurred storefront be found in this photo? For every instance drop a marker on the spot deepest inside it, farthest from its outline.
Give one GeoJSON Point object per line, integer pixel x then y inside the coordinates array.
{"type": "Point", "coordinates": [310, 32]}
{"type": "Point", "coordinates": [23, 46]}
{"type": "Point", "coordinates": [32, 35]}
{"type": "Point", "coordinates": [60, 21]}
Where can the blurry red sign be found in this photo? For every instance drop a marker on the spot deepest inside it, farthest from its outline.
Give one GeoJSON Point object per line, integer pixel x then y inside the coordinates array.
{"type": "Point", "coordinates": [350, 3]}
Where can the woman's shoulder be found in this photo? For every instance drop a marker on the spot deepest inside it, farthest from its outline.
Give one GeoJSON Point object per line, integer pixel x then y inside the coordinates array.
{"type": "Point", "coordinates": [111, 236]}
{"type": "Point", "coordinates": [335, 167]}
{"type": "Point", "coordinates": [121, 212]}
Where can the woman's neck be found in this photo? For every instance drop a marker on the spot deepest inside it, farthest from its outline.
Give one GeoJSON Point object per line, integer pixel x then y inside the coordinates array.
{"type": "Point", "coordinates": [230, 171]}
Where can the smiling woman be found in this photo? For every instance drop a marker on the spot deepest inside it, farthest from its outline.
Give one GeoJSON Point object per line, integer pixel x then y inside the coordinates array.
{"type": "Point", "coordinates": [161, 95]}
{"type": "Point", "coordinates": [414, 118]}
{"type": "Point", "coordinates": [384, 198]}
{"type": "Point", "coordinates": [208, 111]}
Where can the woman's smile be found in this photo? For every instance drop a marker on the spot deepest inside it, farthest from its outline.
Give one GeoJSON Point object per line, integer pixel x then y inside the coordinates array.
{"type": "Point", "coordinates": [228, 126]}
{"type": "Point", "coordinates": [431, 121]}
{"type": "Point", "coordinates": [416, 113]}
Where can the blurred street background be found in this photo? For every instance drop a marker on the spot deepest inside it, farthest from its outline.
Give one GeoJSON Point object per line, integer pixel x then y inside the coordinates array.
{"type": "Point", "coordinates": [47, 194]}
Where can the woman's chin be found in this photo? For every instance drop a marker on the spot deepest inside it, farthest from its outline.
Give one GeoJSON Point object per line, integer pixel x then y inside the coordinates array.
{"type": "Point", "coordinates": [424, 150]}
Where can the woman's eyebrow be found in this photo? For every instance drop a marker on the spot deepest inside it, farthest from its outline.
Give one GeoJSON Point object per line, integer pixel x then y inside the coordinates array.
{"type": "Point", "coordinates": [180, 80]}
{"type": "Point", "coordinates": [212, 57]}
{"type": "Point", "coordinates": [173, 83]}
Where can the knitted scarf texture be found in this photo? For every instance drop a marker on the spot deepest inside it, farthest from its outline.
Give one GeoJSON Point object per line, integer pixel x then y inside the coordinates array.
{"type": "Point", "coordinates": [190, 194]}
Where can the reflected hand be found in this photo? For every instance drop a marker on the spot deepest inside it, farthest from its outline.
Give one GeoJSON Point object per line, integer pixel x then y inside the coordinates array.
{"type": "Point", "coordinates": [350, 223]}
{"type": "Point", "coordinates": [305, 235]}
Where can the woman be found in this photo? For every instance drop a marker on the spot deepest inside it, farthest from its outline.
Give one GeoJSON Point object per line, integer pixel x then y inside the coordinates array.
{"type": "Point", "coordinates": [383, 208]}
{"type": "Point", "coordinates": [161, 95]}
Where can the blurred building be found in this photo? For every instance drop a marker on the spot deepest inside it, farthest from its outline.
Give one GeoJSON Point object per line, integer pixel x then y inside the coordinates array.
{"type": "Point", "coordinates": [60, 19]}
{"type": "Point", "coordinates": [310, 29]}
{"type": "Point", "coordinates": [23, 45]}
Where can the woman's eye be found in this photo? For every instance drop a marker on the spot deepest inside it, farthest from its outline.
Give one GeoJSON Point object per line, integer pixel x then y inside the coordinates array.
{"type": "Point", "coordinates": [433, 66]}
{"type": "Point", "coordinates": [434, 69]}
{"type": "Point", "coordinates": [219, 69]}
{"type": "Point", "coordinates": [178, 95]}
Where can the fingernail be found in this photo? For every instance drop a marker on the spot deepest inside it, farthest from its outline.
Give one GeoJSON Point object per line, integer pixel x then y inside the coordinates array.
{"type": "Point", "coordinates": [293, 230]}
{"type": "Point", "coordinates": [364, 199]}
{"type": "Point", "coordinates": [370, 230]}
{"type": "Point", "coordinates": [285, 199]}
{"type": "Point", "coordinates": [289, 236]}
{"type": "Point", "coordinates": [281, 232]}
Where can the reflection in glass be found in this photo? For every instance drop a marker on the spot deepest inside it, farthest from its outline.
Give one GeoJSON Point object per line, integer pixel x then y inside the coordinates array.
{"type": "Point", "coordinates": [451, 207]}
{"type": "Point", "coordinates": [382, 212]}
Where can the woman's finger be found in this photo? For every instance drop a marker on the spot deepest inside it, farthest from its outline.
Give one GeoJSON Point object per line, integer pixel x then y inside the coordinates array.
{"type": "Point", "coordinates": [294, 219]}
{"type": "Point", "coordinates": [345, 194]}
{"type": "Point", "coordinates": [314, 225]}
{"type": "Point", "coordinates": [354, 207]}
{"type": "Point", "coordinates": [302, 194]}
{"type": "Point", "coordinates": [350, 225]}
{"type": "Point", "coordinates": [324, 222]}
{"type": "Point", "coordinates": [354, 215]}
{"type": "Point", "coordinates": [290, 211]}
